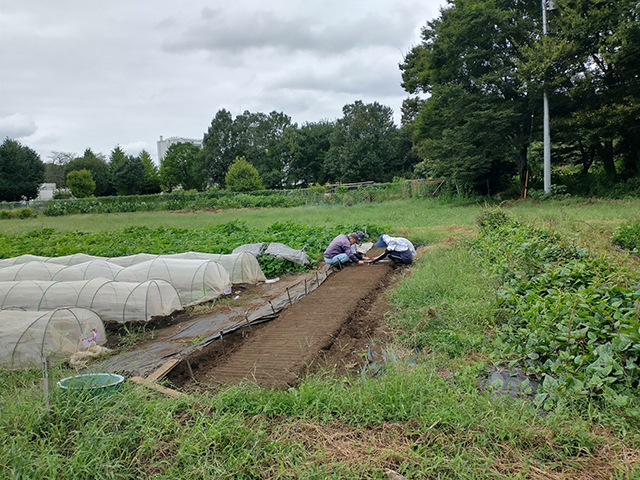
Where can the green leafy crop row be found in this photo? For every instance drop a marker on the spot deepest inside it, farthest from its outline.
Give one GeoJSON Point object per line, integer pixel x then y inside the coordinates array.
{"type": "Point", "coordinates": [217, 199]}
{"type": "Point", "coordinates": [568, 315]}
{"type": "Point", "coordinates": [221, 238]}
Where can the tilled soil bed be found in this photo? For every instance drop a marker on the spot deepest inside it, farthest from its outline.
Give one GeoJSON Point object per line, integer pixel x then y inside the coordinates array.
{"type": "Point", "coordinates": [330, 327]}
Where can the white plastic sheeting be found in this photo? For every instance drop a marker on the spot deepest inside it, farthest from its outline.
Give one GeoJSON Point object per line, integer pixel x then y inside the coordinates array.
{"type": "Point", "coordinates": [196, 281]}
{"type": "Point", "coordinates": [242, 267]}
{"type": "Point", "coordinates": [254, 249]}
{"type": "Point", "coordinates": [7, 262]}
{"type": "Point", "coordinates": [118, 302]}
{"type": "Point", "coordinates": [87, 271]}
{"type": "Point", "coordinates": [280, 250]}
{"type": "Point", "coordinates": [27, 336]}
{"type": "Point", "coordinates": [30, 271]}
{"type": "Point", "coordinates": [73, 259]}
{"type": "Point", "coordinates": [129, 260]}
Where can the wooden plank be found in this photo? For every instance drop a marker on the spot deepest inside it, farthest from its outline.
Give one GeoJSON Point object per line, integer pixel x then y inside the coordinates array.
{"type": "Point", "coordinates": [161, 371]}
{"type": "Point", "coordinates": [154, 386]}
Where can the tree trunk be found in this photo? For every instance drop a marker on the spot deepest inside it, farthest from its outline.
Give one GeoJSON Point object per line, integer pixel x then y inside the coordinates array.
{"type": "Point", "coordinates": [523, 166]}
{"type": "Point", "coordinates": [631, 156]}
{"type": "Point", "coordinates": [586, 154]}
{"type": "Point", "coordinates": [606, 152]}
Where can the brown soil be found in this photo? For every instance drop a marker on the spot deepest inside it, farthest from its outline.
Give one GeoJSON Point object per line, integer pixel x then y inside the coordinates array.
{"type": "Point", "coordinates": [329, 329]}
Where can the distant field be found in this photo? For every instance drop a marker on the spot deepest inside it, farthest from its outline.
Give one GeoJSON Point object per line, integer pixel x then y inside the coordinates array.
{"type": "Point", "coordinates": [425, 220]}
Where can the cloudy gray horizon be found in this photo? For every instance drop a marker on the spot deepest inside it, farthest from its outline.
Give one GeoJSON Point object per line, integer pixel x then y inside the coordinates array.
{"type": "Point", "coordinates": [80, 74]}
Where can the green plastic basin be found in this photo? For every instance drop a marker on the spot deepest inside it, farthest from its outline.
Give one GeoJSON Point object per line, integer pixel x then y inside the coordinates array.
{"type": "Point", "coordinates": [95, 383]}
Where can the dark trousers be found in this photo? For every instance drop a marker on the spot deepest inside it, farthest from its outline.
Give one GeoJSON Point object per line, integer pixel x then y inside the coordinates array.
{"type": "Point", "coordinates": [404, 258]}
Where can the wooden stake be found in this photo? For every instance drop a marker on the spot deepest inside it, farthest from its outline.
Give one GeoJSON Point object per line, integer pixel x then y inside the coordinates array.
{"type": "Point", "coordinates": [156, 387]}
{"type": "Point", "coordinates": [45, 380]}
{"type": "Point", "coordinates": [193, 377]}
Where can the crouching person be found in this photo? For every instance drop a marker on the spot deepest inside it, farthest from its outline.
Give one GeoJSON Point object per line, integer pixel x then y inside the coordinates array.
{"type": "Point", "coordinates": [398, 249]}
{"type": "Point", "coordinates": [339, 250]}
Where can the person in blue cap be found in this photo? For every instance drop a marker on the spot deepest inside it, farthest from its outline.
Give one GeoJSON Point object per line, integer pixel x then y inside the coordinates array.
{"type": "Point", "coordinates": [339, 250]}
{"type": "Point", "coordinates": [398, 249]}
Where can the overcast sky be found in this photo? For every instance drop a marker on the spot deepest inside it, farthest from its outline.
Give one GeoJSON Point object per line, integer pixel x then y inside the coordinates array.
{"type": "Point", "coordinates": [81, 73]}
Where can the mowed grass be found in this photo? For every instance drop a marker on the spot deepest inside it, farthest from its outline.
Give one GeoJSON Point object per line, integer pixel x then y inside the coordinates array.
{"type": "Point", "coordinates": [423, 416]}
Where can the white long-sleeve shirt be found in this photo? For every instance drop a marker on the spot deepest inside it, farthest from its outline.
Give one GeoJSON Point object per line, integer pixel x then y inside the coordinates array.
{"type": "Point", "coordinates": [398, 244]}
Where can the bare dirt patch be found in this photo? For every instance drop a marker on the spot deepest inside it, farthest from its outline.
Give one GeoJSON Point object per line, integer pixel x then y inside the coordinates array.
{"type": "Point", "coordinates": [328, 329]}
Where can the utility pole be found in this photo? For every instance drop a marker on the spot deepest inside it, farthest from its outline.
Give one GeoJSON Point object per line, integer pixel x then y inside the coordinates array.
{"type": "Point", "coordinates": [546, 4]}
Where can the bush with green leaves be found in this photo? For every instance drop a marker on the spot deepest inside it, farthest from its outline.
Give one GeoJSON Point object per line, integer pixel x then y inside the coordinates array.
{"type": "Point", "coordinates": [628, 236]}
{"type": "Point", "coordinates": [20, 213]}
{"type": "Point", "coordinates": [81, 183]}
{"type": "Point", "coordinates": [242, 177]}
{"type": "Point", "coordinates": [568, 315]}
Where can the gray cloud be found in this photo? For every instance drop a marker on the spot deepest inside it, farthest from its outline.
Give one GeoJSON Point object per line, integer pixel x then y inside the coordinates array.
{"type": "Point", "coordinates": [119, 72]}
{"type": "Point", "coordinates": [352, 75]}
{"type": "Point", "coordinates": [17, 126]}
{"type": "Point", "coordinates": [218, 31]}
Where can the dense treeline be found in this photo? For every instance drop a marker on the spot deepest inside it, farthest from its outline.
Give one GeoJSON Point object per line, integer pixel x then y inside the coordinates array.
{"type": "Point", "coordinates": [474, 116]}
{"type": "Point", "coordinates": [485, 65]}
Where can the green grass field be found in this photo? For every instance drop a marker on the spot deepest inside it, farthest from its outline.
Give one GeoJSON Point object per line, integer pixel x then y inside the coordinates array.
{"type": "Point", "coordinates": [428, 420]}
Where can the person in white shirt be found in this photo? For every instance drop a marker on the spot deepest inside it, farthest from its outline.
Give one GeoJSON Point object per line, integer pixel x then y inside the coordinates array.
{"type": "Point", "coordinates": [398, 249]}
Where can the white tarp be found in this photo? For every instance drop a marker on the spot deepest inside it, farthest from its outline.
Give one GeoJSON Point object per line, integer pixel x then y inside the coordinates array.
{"type": "Point", "coordinates": [280, 250]}
{"type": "Point", "coordinates": [254, 249]}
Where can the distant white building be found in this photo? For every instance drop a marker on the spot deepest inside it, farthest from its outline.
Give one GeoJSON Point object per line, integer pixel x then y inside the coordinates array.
{"type": "Point", "coordinates": [164, 144]}
{"type": "Point", "coordinates": [46, 191]}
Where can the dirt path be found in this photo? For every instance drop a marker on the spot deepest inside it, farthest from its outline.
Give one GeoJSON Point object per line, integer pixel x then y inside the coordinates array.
{"type": "Point", "coordinates": [312, 330]}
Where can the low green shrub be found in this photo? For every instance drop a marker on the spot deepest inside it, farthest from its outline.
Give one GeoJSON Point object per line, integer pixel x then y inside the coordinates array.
{"type": "Point", "coordinates": [567, 315]}
{"type": "Point", "coordinates": [21, 213]}
{"type": "Point", "coordinates": [628, 236]}
{"type": "Point", "coordinates": [493, 218]}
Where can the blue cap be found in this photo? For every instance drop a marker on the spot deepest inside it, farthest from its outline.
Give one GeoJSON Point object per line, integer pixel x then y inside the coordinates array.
{"type": "Point", "coordinates": [381, 243]}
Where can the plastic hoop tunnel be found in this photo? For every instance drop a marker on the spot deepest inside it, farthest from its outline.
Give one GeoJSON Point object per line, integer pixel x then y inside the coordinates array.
{"type": "Point", "coordinates": [196, 281]}
{"type": "Point", "coordinates": [27, 336]}
{"type": "Point", "coordinates": [118, 302]}
{"type": "Point", "coordinates": [242, 267]}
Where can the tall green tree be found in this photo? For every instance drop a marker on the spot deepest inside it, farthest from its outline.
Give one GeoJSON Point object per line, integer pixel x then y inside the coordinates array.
{"type": "Point", "coordinates": [362, 144]}
{"type": "Point", "coordinates": [128, 175]}
{"type": "Point", "coordinates": [98, 167]}
{"type": "Point", "coordinates": [243, 177]}
{"type": "Point", "coordinates": [468, 58]}
{"type": "Point", "coordinates": [151, 178]}
{"type": "Point", "coordinates": [81, 183]}
{"type": "Point", "coordinates": [589, 65]}
{"type": "Point", "coordinates": [21, 172]}
{"type": "Point", "coordinates": [180, 168]}
{"type": "Point", "coordinates": [254, 135]}
{"type": "Point", "coordinates": [117, 158]}
{"type": "Point", "coordinates": [218, 149]}
{"type": "Point", "coordinates": [310, 145]}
